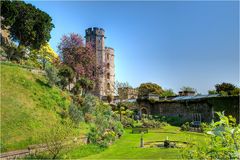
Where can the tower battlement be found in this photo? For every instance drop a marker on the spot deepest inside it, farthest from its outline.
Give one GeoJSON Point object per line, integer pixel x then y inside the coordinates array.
{"type": "Point", "coordinates": [95, 31]}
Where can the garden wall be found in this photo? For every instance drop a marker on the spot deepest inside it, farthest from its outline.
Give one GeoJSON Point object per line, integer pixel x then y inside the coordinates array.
{"type": "Point", "coordinates": [188, 109]}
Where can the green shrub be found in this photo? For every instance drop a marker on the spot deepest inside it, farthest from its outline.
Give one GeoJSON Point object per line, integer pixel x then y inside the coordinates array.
{"type": "Point", "coordinates": [51, 73]}
{"type": "Point", "coordinates": [185, 127]}
{"type": "Point", "coordinates": [224, 142]}
{"type": "Point", "coordinates": [148, 123]}
{"type": "Point", "coordinates": [75, 114]}
{"type": "Point", "coordinates": [127, 122]}
{"type": "Point", "coordinates": [105, 128]}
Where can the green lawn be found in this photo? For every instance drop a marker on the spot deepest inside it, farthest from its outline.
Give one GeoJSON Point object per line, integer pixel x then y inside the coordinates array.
{"type": "Point", "coordinates": [128, 146]}
{"type": "Point", "coordinates": [29, 107]}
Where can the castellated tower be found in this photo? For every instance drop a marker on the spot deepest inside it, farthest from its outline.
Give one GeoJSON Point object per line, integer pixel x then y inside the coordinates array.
{"type": "Point", "coordinates": [105, 59]}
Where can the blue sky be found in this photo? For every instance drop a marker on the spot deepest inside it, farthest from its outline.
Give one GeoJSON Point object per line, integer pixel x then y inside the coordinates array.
{"type": "Point", "coordinates": [171, 43]}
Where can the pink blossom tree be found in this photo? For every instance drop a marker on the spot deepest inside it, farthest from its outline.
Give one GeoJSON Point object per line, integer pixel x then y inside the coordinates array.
{"type": "Point", "coordinates": [82, 59]}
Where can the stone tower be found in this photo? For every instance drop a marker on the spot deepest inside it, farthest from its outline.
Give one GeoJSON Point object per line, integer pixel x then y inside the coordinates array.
{"type": "Point", "coordinates": [105, 59]}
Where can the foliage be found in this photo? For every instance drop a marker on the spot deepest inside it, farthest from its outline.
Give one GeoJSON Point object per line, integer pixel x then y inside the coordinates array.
{"type": "Point", "coordinates": [146, 88]}
{"type": "Point", "coordinates": [89, 104]}
{"type": "Point", "coordinates": [14, 53]}
{"type": "Point", "coordinates": [45, 54]}
{"type": "Point", "coordinates": [185, 126]}
{"type": "Point", "coordinates": [225, 87]}
{"type": "Point", "coordinates": [105, 128]}
{"type": "Point", "coordinates": [186, 88]}
{"type": "Point", "coordinates": [56, 139]}
{"type": "Point", "coordinates": [81, 59]}
{"type": "Point", "coordinates": [27, 25]}
{"type": "Point", "coordinates": [224, 142]}
{"type": "Point", "coordinates": [127, 122]}
{"type": "Point", "coordinates": [212, 92]}
{"type": "Point", "coordinates": [51, 73]}
{"type": "Point", "coordinates": [173, 120]}
{"type": "Point", "coordinates": [75, 114]}
{"type": "Point", "coordinates": [167, 93]}
{"type": "Point", "coordinates": [148, 123]}
{"type": "Point", "coordinates": [66, 76]}
{"type": "Point", "coordinates": [83, 86]}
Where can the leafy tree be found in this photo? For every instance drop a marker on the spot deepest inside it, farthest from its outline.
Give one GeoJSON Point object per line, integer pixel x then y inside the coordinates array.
{"type": "Point", "coordinates": [146, 88]}
{"type": "Point", "coordinates": [83, 86]}
{"type": "Point", "coordinates": [66, 75]}
{"type": "Point", "coordinates": [225, 87]}
{"type": "Point", "coordinates": [51, 73]}
{"type": "Point", "coordinates": [212, 92]}
{"type": "Point", "coordinates": [89, 104]}
{"type": "Point", "coordinates": [76, 114]}
{"type": "Point", "coordinates": [186, 88]}
{"type": "Point", "coordinates": [56, 138]}
{"type": "Point", "coordinates": [80, 58]}
{"type": "Point", "coordinates": [235, 92]}
{"type": "Point", "coordinates": [168, 92]}
{"type": "Point", "coordinates": [28, 25]}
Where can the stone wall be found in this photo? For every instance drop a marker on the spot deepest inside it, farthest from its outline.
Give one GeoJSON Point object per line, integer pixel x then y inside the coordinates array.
{"type": "Point", "coordinates": [187, 109]}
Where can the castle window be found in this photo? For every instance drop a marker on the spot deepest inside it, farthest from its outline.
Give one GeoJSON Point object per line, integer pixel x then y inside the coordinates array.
{"type": "Point", "coordinates": [107, 56]}
{"type": "Point", "coordinates": [108, 86]}
{"type": "Point", "coordinates": [108, 66]}
{"type": "Point", "coordinates": [108, 75]}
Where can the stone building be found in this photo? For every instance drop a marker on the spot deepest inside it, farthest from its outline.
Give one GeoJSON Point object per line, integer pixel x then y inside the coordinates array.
{"type": "Point", "coordinates": [189, 107]}
{"type": "Point", "coordinates": [126, 93]}
{"type": "Point", "coordinates": [105, 60]}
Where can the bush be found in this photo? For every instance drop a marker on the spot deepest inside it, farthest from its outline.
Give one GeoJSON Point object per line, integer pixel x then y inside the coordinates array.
{"type": "Point", "coordinates": [204, 127]}
{"type": "Point", "coordinates": [105, 128]}
{"type": "Point", "coordinates": [127, 122]}
{"type": "Point", "coordinates": [224, 142]}
{"type": "Point", "coordinates": [51, 73]}
{"type": "Point", "coordinates": [55, 139]}
{"type": "Point", "coordinates": [75, 114]}
{"type": "Point", "coordinates": [148, 123]}
{"type": "Point", "coordinates": [185, 127]}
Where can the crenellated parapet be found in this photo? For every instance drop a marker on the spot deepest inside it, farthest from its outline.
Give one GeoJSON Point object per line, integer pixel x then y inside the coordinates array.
{"type": "Point", "coordinates": [95, 31]}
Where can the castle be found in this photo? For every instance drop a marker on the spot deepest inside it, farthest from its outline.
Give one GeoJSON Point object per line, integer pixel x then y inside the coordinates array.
{"type": "Point", "coordinates": [105, 58]}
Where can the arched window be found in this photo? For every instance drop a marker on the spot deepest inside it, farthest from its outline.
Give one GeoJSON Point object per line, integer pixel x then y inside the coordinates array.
{"type": "Point", "coordinates": [108, 75]}
{"type": "Point", "coordinates": [107, 56]}
{"type": "Point", "coordinates": [108, 86]}
{"type": "Point", "coordinates": [108, 66]}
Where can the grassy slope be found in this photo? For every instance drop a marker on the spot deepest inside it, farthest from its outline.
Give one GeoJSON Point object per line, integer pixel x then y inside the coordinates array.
{"type": "Point", "coordinates": [28, 107]}
{"type": "Point", "coordinates": [128, 146]}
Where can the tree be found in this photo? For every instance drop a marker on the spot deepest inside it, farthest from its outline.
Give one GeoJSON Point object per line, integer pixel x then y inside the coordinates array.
{"type": "Point", "coordinates": [82, 59]}
{"type": "Point", "coordinates": [212, 92]}
{"type": "Point", "coordinates": [51, 73]}
{"type": "Point", "coordinates": [83, 86]}
{"type": "Point", "coordinates": [76, 115]}
{"type": "Point", "coordinates": [225, 87]}
{"type": "Point", "coordinates": [56, 139]}
{"type": "Point", "coordinates": [66, 75]}
{"type": "Point", "coordinates": [146, 88]}
{"type": "Point", "coordinates": [28, 25]}
{"type": "Point", "coordinates": [168, 92]}
{"type": "Point", "coordinates": [188, 89]}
